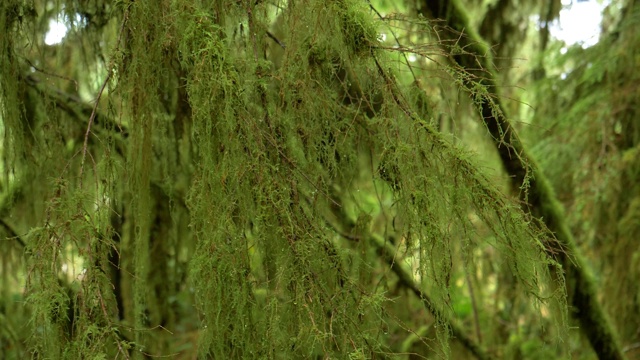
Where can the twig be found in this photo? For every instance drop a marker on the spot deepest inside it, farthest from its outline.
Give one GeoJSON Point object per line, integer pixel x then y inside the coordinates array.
{"type": "Point", "coordinates": [12, 233]}
{"type": "Point", "coordinates": [51, 74]}
{"type": "Point", "coordinates": [274, 38]}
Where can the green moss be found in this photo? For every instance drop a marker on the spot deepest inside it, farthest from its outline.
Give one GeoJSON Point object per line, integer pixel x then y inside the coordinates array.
{"type": "Point", "coordinates": [246, 199]}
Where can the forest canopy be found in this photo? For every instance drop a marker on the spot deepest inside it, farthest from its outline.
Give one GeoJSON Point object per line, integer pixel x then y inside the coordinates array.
{"type": "Point", "coordinates": [317, 179]}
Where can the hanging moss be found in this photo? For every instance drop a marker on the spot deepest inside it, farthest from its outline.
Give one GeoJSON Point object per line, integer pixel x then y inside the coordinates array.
{"type": "Point", "coordinates": [235, 196]}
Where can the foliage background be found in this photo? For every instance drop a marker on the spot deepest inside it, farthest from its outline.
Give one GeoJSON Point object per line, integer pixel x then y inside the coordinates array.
{"type": "Point", "coordinates": [313, 179]}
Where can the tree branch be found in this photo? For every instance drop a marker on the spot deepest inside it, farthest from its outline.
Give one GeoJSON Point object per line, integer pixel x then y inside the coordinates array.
{"type": "Point", "coordinates": [388, 252]}
{"type": "Point", "coordinates": [539, 199]}
{"type": "Point", "coordinates": [79, 109]}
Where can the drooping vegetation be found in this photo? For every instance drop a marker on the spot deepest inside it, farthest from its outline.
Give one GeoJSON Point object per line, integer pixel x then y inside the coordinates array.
{"type": "Point", "coordinates": [251, 179]}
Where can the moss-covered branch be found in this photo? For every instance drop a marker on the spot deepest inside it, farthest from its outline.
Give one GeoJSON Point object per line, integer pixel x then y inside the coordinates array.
{"type": "Point", "coordinates": [388, 253]}
{"type": "Point", "coordinates": [526, 175]}
{"type": "Point", "coordinates": [78, 109]}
